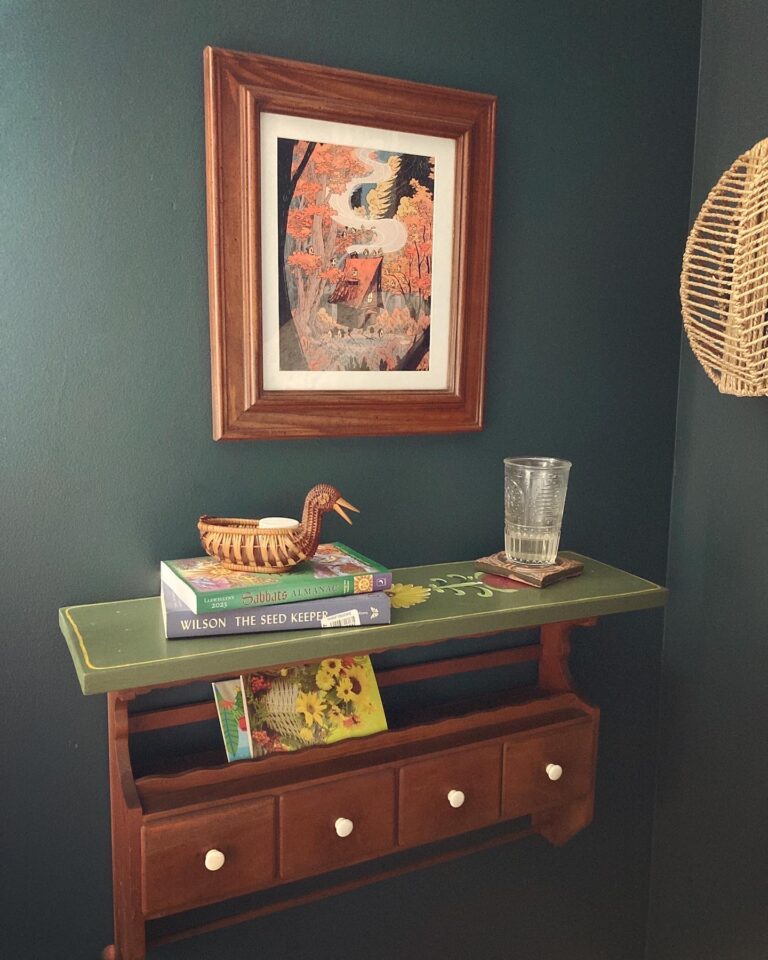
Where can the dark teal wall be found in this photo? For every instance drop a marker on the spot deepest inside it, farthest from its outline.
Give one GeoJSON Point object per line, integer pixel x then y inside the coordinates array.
{"type": "Point", "coordinates": [710, 873]}
{"type": "Point", "coordinates": [106, 450]}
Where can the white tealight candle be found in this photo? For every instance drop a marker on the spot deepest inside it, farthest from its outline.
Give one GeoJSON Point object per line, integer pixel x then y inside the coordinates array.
{"type": "Point", "coordinates": [271, 523]}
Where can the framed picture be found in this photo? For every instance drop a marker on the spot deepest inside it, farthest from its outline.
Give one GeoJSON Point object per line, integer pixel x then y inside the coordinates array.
{"type": "Point", "coordinates": [349, 223]}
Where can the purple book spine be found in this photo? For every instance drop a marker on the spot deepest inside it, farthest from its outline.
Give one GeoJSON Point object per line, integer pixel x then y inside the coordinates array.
{"type": "Point", "coordinates": [364, 609]}
{"type": "Point", "coordinates": [382, 581]}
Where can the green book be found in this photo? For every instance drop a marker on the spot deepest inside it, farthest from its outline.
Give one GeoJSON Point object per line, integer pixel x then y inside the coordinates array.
{"type": "Point", "coordinates": [204, 584]}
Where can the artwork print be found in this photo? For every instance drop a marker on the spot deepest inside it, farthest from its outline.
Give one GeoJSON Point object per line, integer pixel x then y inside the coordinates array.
{"type": "Point", "coordinates": [356, 272]}
{"type": "Point", "coordinates": [357, 281]}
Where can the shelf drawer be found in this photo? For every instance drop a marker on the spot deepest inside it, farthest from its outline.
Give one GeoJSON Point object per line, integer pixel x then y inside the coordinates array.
{"type": "Point", "coordinates": [206, 856]}
{"type": "Point", "coordinates": [336, 824]}
{"type": "Point", "coordinates": [449, 794]}
{"type": "Point", "coordinates": [547, 770]}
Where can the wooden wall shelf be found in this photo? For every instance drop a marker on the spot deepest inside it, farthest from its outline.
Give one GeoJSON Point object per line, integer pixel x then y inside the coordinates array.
{"type": "Point", "coordinates": [200, 831]}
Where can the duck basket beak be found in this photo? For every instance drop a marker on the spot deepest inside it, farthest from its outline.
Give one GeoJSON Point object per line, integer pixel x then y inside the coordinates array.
{"type": "Point", "coordinates": [338, 508]}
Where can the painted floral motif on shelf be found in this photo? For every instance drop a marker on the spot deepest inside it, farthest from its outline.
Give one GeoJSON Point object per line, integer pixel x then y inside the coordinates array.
{"type": "Point", "coordinates": [404, 595]}
{"type": "Point", "coordinates": [461, 585]}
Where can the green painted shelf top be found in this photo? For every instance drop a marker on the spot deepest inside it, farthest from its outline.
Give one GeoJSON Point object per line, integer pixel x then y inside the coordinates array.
{"type": "Point", "coordinates": [121, 645]}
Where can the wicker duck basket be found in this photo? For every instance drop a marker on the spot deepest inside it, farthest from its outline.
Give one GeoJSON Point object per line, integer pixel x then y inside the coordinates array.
{"type": "Point", "coordinates": [724, 283]}
{"type": "Point", "coordinates": [233, 541]}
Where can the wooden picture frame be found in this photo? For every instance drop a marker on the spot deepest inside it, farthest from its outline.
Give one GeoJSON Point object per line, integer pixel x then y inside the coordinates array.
{"type": "Point", "coordinates": [413, 346]}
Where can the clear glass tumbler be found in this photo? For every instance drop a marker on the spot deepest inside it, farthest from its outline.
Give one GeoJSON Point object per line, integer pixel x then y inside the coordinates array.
{"type": "Point", "coordinates": [534, 497]}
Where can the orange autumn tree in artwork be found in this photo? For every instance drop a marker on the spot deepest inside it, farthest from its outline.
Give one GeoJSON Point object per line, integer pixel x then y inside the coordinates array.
{"type": "Point", "coordinates": [355, 236]}
{"type": "Point", "coordinates": [313, 238]}
{"type": "Point", "coordinates": [410, 273]}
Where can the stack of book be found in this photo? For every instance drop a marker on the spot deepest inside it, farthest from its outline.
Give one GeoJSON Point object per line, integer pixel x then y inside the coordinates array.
{"type": "Point", "coordinates": [336, 588]}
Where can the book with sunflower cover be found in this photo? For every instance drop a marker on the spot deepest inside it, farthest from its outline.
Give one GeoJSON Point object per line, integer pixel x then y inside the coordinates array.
{"type": "Point", "coordinates": [316, 703]}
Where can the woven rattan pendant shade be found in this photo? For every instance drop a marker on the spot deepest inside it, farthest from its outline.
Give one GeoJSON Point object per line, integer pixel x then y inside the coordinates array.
{"type": "Point", "coordinates": [724, 284]}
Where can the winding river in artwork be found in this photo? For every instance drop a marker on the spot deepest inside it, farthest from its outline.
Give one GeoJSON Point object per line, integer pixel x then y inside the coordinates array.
{"type": "Point", "coordinates": [390, 234]}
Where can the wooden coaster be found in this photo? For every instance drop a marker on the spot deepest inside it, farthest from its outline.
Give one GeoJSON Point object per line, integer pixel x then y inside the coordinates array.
{"type": "Point", "coordinates": [505, 583]}
{"type": "Point", "coordinates": [498, 565]}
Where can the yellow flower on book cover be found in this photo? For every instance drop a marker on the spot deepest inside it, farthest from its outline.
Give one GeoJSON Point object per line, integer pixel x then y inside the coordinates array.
{"type": "Point", "coordinates": [331, 665]}
{"type": "Point", "coordinates": [358, 678]}
{"type": "Point", "coordinates": [344, 690]}
{"type": "Point", "coordinates": [312, 706]}
{"type": "Point", "coordinates": [363, 713]}
{"type": "Point", "coordinates": [324, 679]}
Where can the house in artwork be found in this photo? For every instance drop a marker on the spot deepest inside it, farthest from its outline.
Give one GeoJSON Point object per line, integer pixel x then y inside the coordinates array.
{"type": "Point", "coordinates": [356, 298]}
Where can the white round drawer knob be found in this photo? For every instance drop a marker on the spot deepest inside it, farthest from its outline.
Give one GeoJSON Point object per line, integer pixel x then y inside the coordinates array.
{"type": "Point", "coordinates": [214, 860]}
{"type": "Point", "coordinates": [344, 827]}
{"type": "Point", "coordinates": [456, 798]}
{"type": "Point", "coordinates": [554, 771]}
